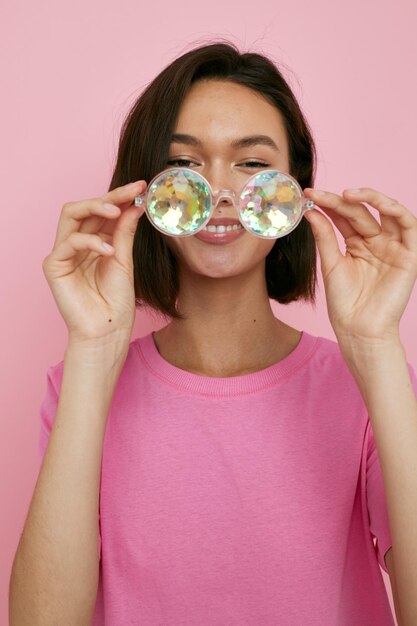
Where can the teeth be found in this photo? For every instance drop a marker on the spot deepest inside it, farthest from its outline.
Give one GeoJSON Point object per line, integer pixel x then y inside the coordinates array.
{"type": "Point", "coordinates": [222, 228]}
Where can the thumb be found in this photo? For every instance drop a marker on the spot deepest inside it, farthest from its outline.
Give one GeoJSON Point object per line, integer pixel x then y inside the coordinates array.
{"type": "Point", "coordinates": [326, 240]}
{"type": "Point", "coordinates": [125, 233]}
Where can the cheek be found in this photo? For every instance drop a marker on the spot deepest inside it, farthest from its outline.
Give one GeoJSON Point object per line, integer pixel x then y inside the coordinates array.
{"type": "Point", "coordinates": [267, 245]}
{"type": "Point", "coordinates": [175, 245]}
{"type": "Point", "coordinates": [261, 248]}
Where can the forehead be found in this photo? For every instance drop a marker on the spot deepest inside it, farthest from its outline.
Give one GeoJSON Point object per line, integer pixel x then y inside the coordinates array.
{"type": "Point", "coordinates": [223, 109]}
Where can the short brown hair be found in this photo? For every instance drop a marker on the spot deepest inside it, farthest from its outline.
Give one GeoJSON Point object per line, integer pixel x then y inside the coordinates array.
{"type": "Point", "coordinates": [290, 267]}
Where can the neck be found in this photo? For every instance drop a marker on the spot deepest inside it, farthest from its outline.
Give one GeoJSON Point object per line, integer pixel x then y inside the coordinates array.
{"type": "Point", "coordinates": [229, 327]}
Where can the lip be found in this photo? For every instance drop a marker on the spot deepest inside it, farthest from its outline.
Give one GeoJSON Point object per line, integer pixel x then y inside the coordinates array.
{"type": "Point", "coordinates": [220, 238]}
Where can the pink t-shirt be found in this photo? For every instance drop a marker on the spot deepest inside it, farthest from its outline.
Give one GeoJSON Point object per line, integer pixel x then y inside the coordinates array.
{"type": "Point", "coordinates": [255, 500]}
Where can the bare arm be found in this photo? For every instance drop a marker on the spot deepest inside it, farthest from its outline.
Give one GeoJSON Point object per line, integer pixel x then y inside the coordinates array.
{"type": "Point", "coordinates": [383, 378]}
{"type": "Point", "coordinates": [55, 572]}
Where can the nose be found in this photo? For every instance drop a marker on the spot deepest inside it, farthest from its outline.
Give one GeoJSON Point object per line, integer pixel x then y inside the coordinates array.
{"type": "Point", "coordinates": [224, 195]}
{"type": "Point", "coordinates": [218, 175]}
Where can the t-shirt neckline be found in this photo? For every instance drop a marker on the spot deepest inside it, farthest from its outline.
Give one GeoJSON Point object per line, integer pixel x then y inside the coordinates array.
{"type": "Point", "coordinates": [233, 385]}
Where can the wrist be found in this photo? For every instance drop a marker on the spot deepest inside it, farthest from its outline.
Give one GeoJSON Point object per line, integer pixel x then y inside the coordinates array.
{"type": "Point", "coordinates": [104, 353]}
{"type": "Point", "coordinates": [367, 350]}
{"type": "Point", "coordinates": [373, 363]}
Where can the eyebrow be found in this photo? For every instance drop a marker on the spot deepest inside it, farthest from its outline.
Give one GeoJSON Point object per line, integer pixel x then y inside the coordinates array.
{"type": "Point", "coordinates": [243, 142]}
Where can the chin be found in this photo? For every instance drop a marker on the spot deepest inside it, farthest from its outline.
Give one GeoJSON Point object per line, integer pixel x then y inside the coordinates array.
{"type": "Point", "coordinates": [231, 269]}
{"type": "Point", "coordinates": [220, 261]}
{"type": "Point", "coordinates": [220, 274]}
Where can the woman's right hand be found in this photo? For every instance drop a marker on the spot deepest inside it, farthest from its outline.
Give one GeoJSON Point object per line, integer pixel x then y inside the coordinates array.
{"type": "Point", "coordinates": [94, 288]}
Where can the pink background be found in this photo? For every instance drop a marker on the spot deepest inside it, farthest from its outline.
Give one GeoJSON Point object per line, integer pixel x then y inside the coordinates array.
{"type": "Point", "coordinates": [70, 71]}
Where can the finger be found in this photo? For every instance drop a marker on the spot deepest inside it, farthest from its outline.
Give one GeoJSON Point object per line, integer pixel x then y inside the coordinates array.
{"type": "Point", "coordinates": [65, 257]}
{"type": "Point", "coordinates": [92, 213]}
{"type": "Point", "coordinates": [326, 240]}
{"type": "Point", "coordinates": [124, 234]}
{"type": "Point", "coordinates": [357, 215]}
{"type": "Point", "coordinates": [390, 227]}
{"type": "Point", "coordinates": [125, 193]}
{"type": "Point", "coordinates": [341, 223]}
{"type": "Point", "coordinates": [388, 224]}
{"type": "Point", "coordinates": [89, 215]}
{"type": "Point", "coordinates": [107, 226]}
{"type": "Point", "coordinates": [392, 210]}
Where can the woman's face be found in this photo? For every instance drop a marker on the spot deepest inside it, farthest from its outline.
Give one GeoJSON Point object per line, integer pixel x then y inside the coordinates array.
{"type": "Point", "coordinates": [214, 115]}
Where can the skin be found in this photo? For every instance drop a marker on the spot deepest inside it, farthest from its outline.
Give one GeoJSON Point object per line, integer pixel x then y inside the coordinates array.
{"type": "Point", "coordinates": [230, 328]}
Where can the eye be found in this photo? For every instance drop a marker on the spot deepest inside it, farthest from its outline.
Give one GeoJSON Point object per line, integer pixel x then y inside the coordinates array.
{"type": "Point", "coordinates": [180, 162]}
{"type": "Point", "coordinates": [255, 164]}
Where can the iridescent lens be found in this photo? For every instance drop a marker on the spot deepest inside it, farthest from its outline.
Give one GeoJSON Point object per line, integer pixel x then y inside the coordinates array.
{"type": "Point", "coordinates": [178, 202]}
{"type": "Point", "coordinates": [271, 204]}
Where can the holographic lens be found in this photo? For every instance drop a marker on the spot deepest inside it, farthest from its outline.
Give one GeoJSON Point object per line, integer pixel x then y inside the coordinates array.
{"type": "Point", "coordinates": [179, 202]}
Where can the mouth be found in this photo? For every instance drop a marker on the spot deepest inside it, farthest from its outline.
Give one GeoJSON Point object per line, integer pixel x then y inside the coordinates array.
{"type": "Point", "coordinates": [222, 225]}
{"type": "Point", "coordinates": [221, 230]}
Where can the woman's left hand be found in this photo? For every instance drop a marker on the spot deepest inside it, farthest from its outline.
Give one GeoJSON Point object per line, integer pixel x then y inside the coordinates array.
{"type": "Point", "coordinates": [368, 288]}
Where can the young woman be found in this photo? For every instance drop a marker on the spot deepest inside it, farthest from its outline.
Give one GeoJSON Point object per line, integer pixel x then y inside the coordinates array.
{"type": "Point", "coordinates": [229, 468]}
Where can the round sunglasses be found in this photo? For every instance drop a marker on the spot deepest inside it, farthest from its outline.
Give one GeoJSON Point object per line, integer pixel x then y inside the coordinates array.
{"type": "Point", "coordinates": [179, 202]}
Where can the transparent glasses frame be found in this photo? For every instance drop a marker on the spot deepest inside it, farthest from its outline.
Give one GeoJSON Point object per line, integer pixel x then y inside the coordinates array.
{"type": "Point", "coordinates": [229, 194]}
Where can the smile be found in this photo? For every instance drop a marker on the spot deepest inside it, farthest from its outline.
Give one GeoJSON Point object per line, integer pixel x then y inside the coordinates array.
{"type": "Point", "coordinates": [222, 228]}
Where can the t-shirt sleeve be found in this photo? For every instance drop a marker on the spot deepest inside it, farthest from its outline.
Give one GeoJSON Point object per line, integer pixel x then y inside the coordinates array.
{"type": "Point", "coordinates": [375, 492]}
{"type": "Point", "coordinates": [47, 413]}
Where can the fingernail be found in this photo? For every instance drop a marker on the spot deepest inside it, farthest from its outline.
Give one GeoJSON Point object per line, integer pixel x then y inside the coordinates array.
{"type": "Point", "coordinates": [353, 190]}
{"type": "Point", "coordinates": [111, 208]}
{"type": "Point", "coordinates": [319, 192]}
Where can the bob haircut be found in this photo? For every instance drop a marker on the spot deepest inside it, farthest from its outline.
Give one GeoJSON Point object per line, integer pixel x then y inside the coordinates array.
{"type": "Point", "coordinates": [290, 266]}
